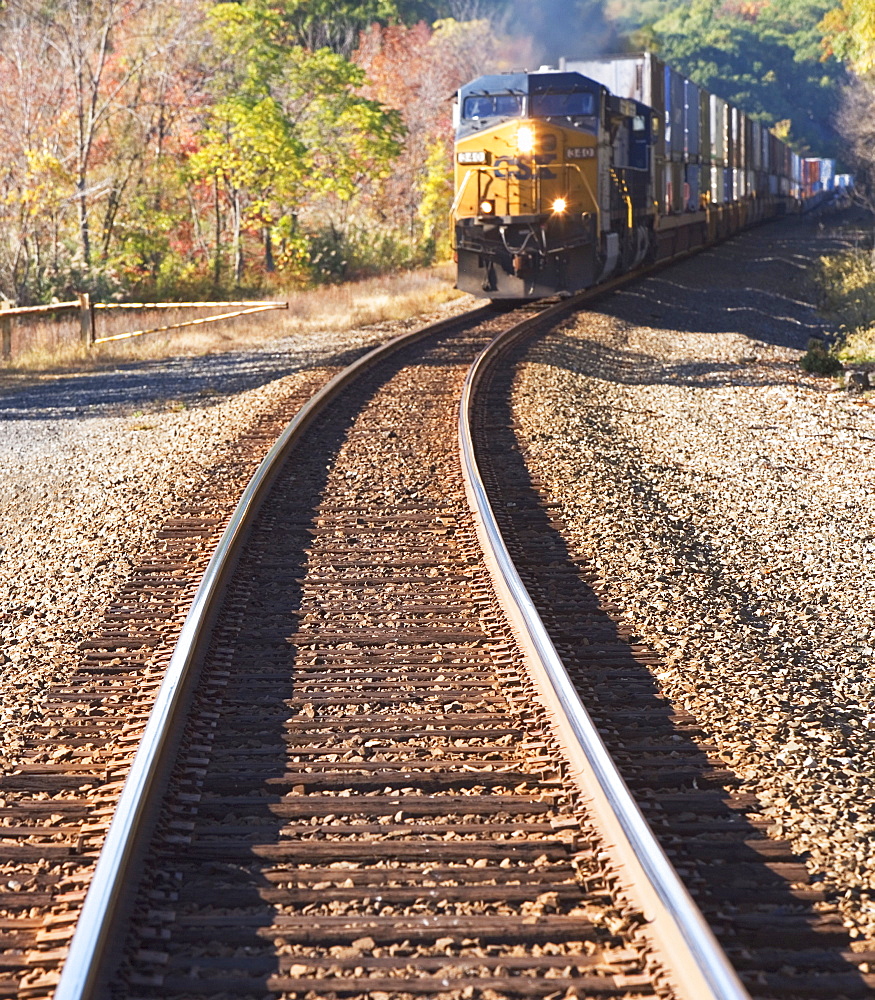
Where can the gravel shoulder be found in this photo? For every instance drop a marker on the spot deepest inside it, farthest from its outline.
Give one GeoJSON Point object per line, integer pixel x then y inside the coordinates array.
{"type": "Point", "coordinates": [724, 498]}
{"type": "Point", "coordinates": [91, 465]}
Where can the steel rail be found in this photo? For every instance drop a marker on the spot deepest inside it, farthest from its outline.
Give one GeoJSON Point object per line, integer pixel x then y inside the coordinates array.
{"type": "Point", "coordinates": [87, 958]}
{"type": "Point", "coordinates": [695, 961]}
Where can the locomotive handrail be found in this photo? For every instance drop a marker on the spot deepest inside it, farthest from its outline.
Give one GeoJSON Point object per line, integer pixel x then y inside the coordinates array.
{"type": "Point", "coordinates": [697, 964]}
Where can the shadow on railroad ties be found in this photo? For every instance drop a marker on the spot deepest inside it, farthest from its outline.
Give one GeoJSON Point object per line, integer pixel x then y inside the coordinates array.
{"type": "Point", "coordinates": [153, 387]}
{"type": "Point", "coordinates": [250, 834]}
{"type": "Point", "coordinates": [266, 793]}
{"type": "Point", "coordinates": [758, 899]}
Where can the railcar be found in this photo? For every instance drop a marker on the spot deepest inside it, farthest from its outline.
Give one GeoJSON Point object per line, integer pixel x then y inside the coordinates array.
{"type": "Point", "coordinates": [553, 184]}
{"type": "Point", "coordinates": [566, 176]}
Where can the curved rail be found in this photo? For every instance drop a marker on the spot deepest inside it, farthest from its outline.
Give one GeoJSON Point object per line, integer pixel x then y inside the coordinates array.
{"type": "Point", "coordinates": [84, 965]}
{"type": "Point", "coordinates": [696, 962]}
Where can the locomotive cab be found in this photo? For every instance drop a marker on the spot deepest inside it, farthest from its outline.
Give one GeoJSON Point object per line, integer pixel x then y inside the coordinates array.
{"type": "Point", "coordinates": [552, 178]}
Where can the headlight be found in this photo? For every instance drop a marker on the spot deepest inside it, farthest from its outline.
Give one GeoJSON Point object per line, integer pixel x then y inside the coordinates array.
{"type": "Point", "coordinates": [559, 205]}
{"type": "Point", "coordinates": [487, 207]}
{"type": "Point", "coordinates": [473, 156]}
{"type": "Point", "coordinates": [525, 139]}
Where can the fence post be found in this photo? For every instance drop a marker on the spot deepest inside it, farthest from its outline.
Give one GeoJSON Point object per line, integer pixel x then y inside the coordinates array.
{"type": "Point", "coordinates": [6, 330]}
{"type": "Point", "coordinates": [86, 319]}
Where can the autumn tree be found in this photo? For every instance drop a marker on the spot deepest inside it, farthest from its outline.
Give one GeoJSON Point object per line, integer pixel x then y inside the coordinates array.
{"type": "Point", "coordinates": [79, 38]}
{"type": "Point", "coordinates": [289, 126]}
{"type": "Point", "coordinates": [90, 97]}
{"type": "Point", "coordinates": [151, 133]}
{"type": "Point", "coordinates": [849, 34]}
{"type": "Point", "coordinates": [417, 71]}
{"type": "Point", "coordinates": [34, 182]}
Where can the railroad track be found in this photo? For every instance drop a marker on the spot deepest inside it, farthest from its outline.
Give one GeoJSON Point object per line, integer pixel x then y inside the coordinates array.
{"type": "Point", "coordinates": [369, 797]}
{"type": "Point", "coordinates": [777, 925]}
{"type": "Point", "coordinates": [58, 801]}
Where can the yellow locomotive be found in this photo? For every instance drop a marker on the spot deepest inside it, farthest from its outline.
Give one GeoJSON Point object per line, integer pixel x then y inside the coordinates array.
{"type": "Point", "coordinates": [564, 177]}
{"type": "Point", "coordinates": [553, 182]}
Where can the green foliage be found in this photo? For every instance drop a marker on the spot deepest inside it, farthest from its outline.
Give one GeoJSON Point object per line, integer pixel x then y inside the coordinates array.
{"type": "Point", "coordinates": [371, 254]}
{"type": "Point", "coordinates": [360, 252]}
{"type": "Point", "coordinates": [847, 287]}
{"type": "Point", "coordinates": [289, 126]}
{"type": "Point", "coordinates": [311, 24]}
{"type": "Point", "coordinates": [315, 112]}
{"type": "Point", "coordinates": [849, 34]}
{"type": "Point", "coordinates": [437, 199]}
{"type": "Point", "coordinates": [766, 56]}
{"type": "Point", "coordinates": [250, 145]}
{"type": "Point", "coordinates": [819, 360]}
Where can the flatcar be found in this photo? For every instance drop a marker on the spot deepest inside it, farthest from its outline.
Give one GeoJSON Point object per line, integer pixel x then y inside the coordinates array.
{"type": "Point", "coordinates": [564, 177]}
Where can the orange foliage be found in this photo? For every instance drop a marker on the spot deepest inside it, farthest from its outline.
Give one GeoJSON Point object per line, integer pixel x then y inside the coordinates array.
{"type": "Point", "coordinates": [747, 10]}
{"type": "Point", "coordinates": [408, 72]}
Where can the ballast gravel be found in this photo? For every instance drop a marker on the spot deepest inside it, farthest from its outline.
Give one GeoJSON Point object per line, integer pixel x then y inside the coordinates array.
{"type": "Point", "coordinates": [91, 465]}
{"type": "Point", "coordinates": [724, 499]}
{"type": "Point", "coordinates": [723, 496]}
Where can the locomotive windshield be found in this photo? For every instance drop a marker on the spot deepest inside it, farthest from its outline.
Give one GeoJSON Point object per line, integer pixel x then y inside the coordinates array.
{"type": "Point", "coordinates": [492, 106]}
{"type": "Point", "coordinates": [562, 105]}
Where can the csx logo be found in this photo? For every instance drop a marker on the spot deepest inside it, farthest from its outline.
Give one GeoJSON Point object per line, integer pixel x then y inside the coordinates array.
{"type": "Point", "coordinates": [525, 168]}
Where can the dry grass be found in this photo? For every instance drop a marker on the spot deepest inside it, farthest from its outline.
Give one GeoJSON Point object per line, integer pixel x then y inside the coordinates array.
{"type": "Point", "coordinates": [847, 285]}
{"type": "Point", "coordinates": [40, 346]}
{"type": "Point", "coordinates": [858, 347]}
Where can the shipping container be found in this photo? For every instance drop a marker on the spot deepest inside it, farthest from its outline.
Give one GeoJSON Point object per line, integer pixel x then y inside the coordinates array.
{"type": "Point", "coordinates": [705, 125]}
{"type": "Point", "coordinates": [744, 134]}
{"type": "Point", "coordinates": [706, 195]}
{"type": "Point", "coordinates": [675, 104]}
{"type": "Point", "coordinates": [728, 185]}
{"type": "Point", "coordinates": [693, 187]}
{"type": "Point", "coordinates": [692, 123]}
{"type": "Point", "coordinates": [827, 174]}
{"type": "Point", "coordinates": [810, 177]}
{"type": "Point", "coordinates": [639, 77]}
{"type": "Point", "coordinates": [717, 185]}
{"type": "Point", "coordinates": [718, 131]}
{"type": "Point", "coordinates": [732, 143]}
{"type": "Point", "coordinates": [734, 157]}
{"type": "Point", "coordinates": [674, 188]}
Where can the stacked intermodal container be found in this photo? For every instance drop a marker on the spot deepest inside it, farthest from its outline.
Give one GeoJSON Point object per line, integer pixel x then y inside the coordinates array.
{"type": "Point", "coordinates": [710, 152]}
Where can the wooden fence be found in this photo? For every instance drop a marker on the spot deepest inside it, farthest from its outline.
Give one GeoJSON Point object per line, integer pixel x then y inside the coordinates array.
{"type": "Point", "coordinates": [88, 309]}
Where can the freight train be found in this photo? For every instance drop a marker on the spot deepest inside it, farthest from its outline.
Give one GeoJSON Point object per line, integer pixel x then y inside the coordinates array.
{"type": "Point", "coordinates": [564, 177]}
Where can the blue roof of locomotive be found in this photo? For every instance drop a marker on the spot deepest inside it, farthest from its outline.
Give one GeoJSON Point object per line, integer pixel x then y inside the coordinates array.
{"type": "Point", "coordinates": [529, 83]}
{"type": "Point", "coordinates": [520, 85]}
